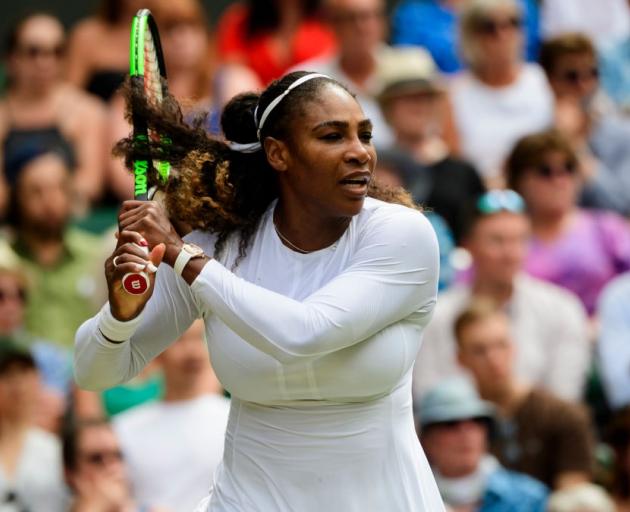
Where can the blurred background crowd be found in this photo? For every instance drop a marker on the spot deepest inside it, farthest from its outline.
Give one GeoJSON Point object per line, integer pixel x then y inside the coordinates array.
{"type": "Point", "coordinates": [507, 120]}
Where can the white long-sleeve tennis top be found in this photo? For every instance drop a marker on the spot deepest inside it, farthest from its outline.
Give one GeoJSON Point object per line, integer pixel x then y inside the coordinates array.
{"type": "Point", "coordinates": [316, 350]}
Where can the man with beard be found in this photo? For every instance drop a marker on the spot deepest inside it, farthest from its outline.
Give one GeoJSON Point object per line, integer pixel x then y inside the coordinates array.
{"type": "Point", "coordinates": [61, 261]}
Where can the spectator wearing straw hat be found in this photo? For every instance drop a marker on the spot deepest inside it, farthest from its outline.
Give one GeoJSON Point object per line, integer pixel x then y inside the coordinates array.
{"type": "Point", "coordinates": [415, 105]}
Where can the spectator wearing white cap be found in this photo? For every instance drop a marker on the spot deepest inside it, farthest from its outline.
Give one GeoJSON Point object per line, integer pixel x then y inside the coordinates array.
{"type": "Point", "coordinates": [454, 424]}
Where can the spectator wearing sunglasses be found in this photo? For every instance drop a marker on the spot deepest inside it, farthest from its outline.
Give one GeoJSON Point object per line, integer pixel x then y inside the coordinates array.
{"type": "Point", "coordinates": [30, 459]}
{"type": "Point", "coordinates": [95, 469]}
{"type": "Point", "coordinates": [432, 24]}
{"type": "Point", "coordinates": [548, 323]}
{"type": "Point", "coordinates": [500, 97]}
{"type": "Point", "coordinates": [454, 426]}
{"type": "Point", "coordinates": [578, 249]}
{"type": "Point", "coordinates": [583, 114]}
{"type": "Point", "coordinates": [41, 109]}
{"type": "Point", "coordinates": [536, 433]}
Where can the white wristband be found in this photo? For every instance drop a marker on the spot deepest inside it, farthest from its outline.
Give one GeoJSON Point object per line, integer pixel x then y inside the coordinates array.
{"type": "Point", "coordinates": [116, 330]}
{"type": "Point", "coordinates": [181, 261]}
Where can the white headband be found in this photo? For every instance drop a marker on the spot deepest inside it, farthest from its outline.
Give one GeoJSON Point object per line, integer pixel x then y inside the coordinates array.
{"type": "Point", "coordinates": [252, 147]}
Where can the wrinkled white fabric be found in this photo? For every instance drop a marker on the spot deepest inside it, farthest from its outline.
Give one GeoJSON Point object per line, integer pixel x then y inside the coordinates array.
{"type": "Point", "coordinates": [317, 351]}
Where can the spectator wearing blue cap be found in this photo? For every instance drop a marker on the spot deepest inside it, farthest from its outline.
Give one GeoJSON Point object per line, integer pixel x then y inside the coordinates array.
{"type": "Point", "coordinates": [454, 424]}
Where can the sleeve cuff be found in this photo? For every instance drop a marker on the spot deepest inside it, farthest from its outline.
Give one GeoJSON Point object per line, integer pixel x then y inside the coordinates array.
{"type": "Point", "coordinates": [116, 330]}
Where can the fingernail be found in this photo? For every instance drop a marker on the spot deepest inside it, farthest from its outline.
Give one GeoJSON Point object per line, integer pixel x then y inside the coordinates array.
{"type": "Point", "coordinates": [143, 243]}
{"type": "Point", "coordinates": [151, 268]}
{"type": "Point", "coordinates": [140, 267]}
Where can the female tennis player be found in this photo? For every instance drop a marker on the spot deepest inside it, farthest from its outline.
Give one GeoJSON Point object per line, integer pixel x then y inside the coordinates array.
{"type": "Point", "coordinates": [314, 285]}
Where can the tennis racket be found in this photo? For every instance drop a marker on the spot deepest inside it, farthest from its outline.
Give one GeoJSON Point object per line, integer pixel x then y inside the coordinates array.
{"type": "Point", "coordinates": [147, 73]}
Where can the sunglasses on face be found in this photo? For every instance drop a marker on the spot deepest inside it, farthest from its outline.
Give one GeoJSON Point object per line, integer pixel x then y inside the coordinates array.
{"type": "Point", "coordinates": [34, 51]}
{"type": "Point", "coordinates": [100, 458]}
{"type": "Point", "coordinates": [492, 27]}
{"type": "Point", "coordinates": [500, 201]}
{"type": "Point", "coordinates": [575, 76]}
{"type": "Point", "coordinates": [6, 295]}
{"type": "Point", "coordinates": [546, 171]}
{"type": "Point", "coordinates": [456, 423]}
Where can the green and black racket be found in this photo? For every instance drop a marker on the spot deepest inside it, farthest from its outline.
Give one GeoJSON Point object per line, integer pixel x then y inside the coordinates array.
{"type": "Point", "coordinates": [148, 74]}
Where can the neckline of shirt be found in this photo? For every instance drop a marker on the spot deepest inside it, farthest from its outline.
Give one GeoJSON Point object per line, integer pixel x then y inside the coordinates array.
{"type": "Point", "coordinates": [270, 228]}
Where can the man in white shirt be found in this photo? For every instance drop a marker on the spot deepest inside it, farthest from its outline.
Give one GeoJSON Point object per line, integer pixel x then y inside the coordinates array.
{"type": "Point", "coordinates": [173, 447]}
{"type": "Point", "coordinates": [361, 30]}
{"type": "Point", "coordinates": [549, 324]}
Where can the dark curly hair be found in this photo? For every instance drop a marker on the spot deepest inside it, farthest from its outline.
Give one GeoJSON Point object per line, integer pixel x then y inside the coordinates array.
{"type": "Point", "coordinates": [214, 188]}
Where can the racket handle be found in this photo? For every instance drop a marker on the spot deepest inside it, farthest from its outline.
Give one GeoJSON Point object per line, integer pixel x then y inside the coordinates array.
{"type": "Point", "coordinates": [136, 283]}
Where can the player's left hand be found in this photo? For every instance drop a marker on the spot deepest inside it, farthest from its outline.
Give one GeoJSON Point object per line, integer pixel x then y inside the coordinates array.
{"type": "Point", "coordinates": [150, 220]}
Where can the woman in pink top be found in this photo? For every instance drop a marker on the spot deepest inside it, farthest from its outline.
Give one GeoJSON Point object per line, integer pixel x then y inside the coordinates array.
{"type": "Point", "coordinates": [578, 249]}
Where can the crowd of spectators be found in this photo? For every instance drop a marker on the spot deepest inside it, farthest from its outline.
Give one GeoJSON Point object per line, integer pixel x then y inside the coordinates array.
{"type": "Point", "coordinates": [509, 123]}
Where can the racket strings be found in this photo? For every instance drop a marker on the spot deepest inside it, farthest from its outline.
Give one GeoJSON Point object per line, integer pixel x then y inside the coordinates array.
{"type": "Point", "coordinates": [152, 77]}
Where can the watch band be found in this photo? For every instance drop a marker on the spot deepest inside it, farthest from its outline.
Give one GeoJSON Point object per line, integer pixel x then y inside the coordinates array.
{"type": "Point", "coordinates": [181, 261]}
{"type": "Point", "coordinates": [187, 253]}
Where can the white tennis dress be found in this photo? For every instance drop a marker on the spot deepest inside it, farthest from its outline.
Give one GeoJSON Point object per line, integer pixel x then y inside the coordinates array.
{"type": "Point", "coordinates": [317, 351]}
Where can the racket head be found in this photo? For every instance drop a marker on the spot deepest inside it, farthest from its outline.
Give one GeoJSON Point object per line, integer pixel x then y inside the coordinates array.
{"type": "Point", "coordinates": [148, 71]}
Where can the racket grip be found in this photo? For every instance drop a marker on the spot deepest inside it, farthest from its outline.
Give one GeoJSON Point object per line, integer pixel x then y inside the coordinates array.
{"type": "Point", "coordinates": [136, 283]}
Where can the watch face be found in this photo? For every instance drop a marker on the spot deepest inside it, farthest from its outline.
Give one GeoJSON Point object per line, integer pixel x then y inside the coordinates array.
{"type": "Point", "coordinates": [193, 249]}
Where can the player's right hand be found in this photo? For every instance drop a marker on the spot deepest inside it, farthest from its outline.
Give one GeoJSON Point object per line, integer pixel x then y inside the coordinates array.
{"type": "Point", "coordinates": [130, 256]}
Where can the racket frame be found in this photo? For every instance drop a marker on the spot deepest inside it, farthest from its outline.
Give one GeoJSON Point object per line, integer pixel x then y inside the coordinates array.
{"type": "Point", "coordinates": [138, 283]}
